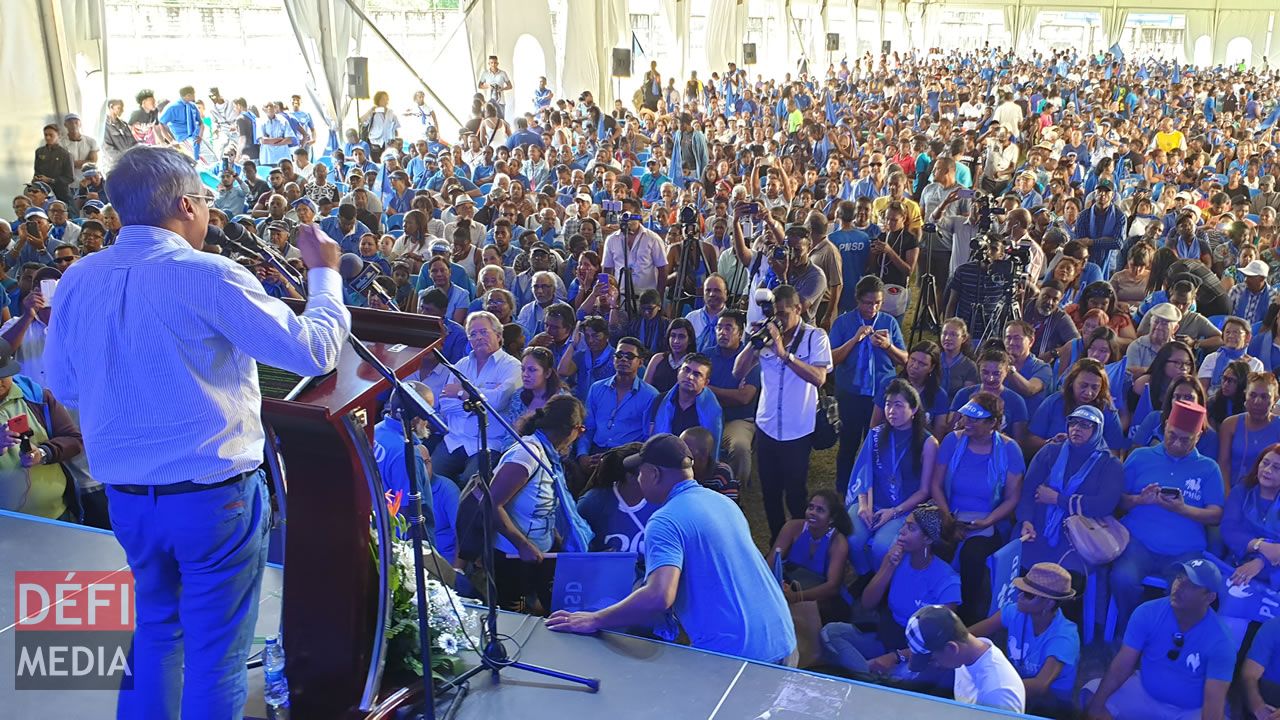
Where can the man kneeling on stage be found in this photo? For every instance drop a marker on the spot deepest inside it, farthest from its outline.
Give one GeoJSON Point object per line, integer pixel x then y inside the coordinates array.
{"type": "Point", "coordinates": [701, 562]}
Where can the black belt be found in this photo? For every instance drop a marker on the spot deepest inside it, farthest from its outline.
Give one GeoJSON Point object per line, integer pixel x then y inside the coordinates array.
{"type": "Point", "coordinates": [179, 488]}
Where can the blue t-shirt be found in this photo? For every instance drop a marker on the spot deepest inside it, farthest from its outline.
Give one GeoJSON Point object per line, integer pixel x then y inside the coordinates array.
{"type": "Point", "coordinates": [1163, 531]}
{"type": "Point", "coordinates": [854, 246]}
{"type": "Point", "coordinates": [722, 377]}
{"type": "Point", "coordinates": [618, 527]}
{"type": "Point", "coordinates": [1050, 419]}
{"type": "Point", "coordinates": [1033, 368]}
{"type": "Point", "coordinates": [911, 589]}
{"type": "Point", "coordinates": [1265, 649]}
{"type": "Point", "coordinates": [727, 599]}
{"type": "Point", "coordinates": [970, 486]}
{"type": "Point", "coordinates": [1015, 408]}
{"type": "Point", "coordinates": [864, 377]}
{"type": "Point", "coordinates": [1207, 653]}
{"type": "Point", "coordinates": [1028, 651]}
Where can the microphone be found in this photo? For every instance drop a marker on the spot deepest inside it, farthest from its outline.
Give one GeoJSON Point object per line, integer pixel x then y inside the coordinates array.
{"type": "Point", "coordinates": [358, 277]}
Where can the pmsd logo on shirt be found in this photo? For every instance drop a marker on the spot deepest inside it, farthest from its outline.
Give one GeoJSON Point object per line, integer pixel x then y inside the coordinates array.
{"type": "Point", "coordinates": [73, 630]}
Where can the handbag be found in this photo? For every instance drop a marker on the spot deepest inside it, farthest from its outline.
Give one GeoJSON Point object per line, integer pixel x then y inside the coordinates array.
{"type": "Point", "coordinates": [1098, 540]}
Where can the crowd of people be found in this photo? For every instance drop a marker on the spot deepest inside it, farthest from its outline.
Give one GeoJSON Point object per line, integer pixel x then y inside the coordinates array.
{"type": "Point", "coordinates": [689, 292]}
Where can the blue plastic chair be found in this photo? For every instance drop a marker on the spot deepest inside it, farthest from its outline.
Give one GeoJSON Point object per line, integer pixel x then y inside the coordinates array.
{"type": "Point", "coordinates": [1218, 320]}
{"type": "Point", "coordinates": [395, 222]}
{"type": "Point", "coordinates": [1253, 192]}
{"type": "Point", "coordinates": [643, 157]}
{"type": "Point", "coordinates": [485, 188]}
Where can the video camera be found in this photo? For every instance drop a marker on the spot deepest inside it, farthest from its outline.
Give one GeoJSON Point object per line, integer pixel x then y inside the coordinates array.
{"type": "Point", "coordinates": [987, 212]}
{"type": "Point", "coordinates": [760, 336]}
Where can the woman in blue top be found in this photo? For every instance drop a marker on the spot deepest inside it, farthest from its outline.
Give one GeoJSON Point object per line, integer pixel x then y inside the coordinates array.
{"type": "Point", "coordinates": [539, 382]}
{"type": "Point", "coordinates": [922, 372]}
{"type": "Point", "coordinates": [1150, 431]}
{"type": "Point", "coordinates": [1228, 399]}
{"type": "Point", "coordinates": [1042, 644]}
{"type": "Point", "coordinates": [1242, 437]}
{"type": "Point", "coordinates": [1072, 474]}
{"type": "Point", "coordinates": [533, 510]}
{"type": "Point", "coordinates": [614, 505]}
{"type": "Point", "coordinates": [1074, 349]}
{"type": "Point", "coordinates": [1265, 345]}
{"type": "Point", "coordinates": [1172, 360]}
{"type": "Point", "coordinates": [1251, 521]}
{"type": "Point", "coordinates": [911, 575]}
{"type": "Point", "coordinates": [815, 553]}
{"type": "Point", "coordinates": [978, 479]}
{"type": "Point", "coordinates": [441, 277]}
{"type": "Point", "coordinates": [1087, 383]}
{"type": "Point", "coordinates": [891, 476]}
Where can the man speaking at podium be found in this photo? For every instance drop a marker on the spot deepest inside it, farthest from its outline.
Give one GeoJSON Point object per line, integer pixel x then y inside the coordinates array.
{"type": "Point", "coordinates": [155, 341]}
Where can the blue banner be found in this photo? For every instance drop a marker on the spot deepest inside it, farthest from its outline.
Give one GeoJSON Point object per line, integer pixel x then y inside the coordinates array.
{"type": "Point", "coordinates": [1004, 565]}
{"type": "Point", "coordinates": [591, 581]}
{"type": "Point", "coordinates": [1252, 601]}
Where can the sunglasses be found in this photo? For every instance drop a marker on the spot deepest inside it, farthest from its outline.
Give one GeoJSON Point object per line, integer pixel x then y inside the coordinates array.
{"type": "Point", "coordinates": [627, 356]}
{"type": "Point", "coordinates": [1178, 640]}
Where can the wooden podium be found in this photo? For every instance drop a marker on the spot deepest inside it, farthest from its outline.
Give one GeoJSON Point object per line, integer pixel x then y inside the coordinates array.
{"type": "Point", "coordinates": [331, 587]}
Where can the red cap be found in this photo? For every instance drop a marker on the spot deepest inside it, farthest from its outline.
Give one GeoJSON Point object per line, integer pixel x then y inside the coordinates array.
{"type": "Point", "coordinates": [1187, 417]}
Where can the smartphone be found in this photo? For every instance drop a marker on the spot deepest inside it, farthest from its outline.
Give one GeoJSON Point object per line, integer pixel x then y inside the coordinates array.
{"type": "Point", "coordinates": [19, 424]}
{"type": "Point", "coordinates": [780, 253]}
{"type": "Point", "coordinates": [1170, 493]}
{"type": "Point", "coordinates": [602, 279]}
{"type": "Point", "coordinates": [751, 208]}
{"type": "Point", "coordinates": [964, 193]}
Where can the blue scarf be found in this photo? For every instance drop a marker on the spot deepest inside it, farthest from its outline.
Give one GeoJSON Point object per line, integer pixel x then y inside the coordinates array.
{"type": "Point", "coordinates": [997, 465]}
{"type": "Point", "coordinates": [1058, 480]}
{"type": "Point", "coordinates": [1226, 356]}
{"type": "Point", "coordinates": [575, 533]}
{"type": "Point", "coordinates": [863, 366]}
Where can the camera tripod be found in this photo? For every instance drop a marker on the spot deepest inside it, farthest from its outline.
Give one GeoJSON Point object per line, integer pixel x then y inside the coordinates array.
{"type": "Point", "coordinates": [683, 291]}
{"type": "Point", "coordinates": [928, 319]}
{"type": "Point", "coordinates": [1007, 308]}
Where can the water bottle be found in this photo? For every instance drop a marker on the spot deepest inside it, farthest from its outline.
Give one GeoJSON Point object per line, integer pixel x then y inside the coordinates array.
{"type": "Point", "coordinates": [275, 687]}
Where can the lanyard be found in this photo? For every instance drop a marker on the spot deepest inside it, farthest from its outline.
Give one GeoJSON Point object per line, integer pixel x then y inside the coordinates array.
{"type": "Point", "coordinates": [618, 408]}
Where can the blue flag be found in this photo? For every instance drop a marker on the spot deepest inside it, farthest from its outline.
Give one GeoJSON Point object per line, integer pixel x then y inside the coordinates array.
{"type": "Point", "coordinates": [591, 581]}
{"type": "Point", "coordinates": [829, 107]}
{"type": "Point", "coordinates": [1004, 565]}
{"type": "Point", "coordinates": [1117, 52]}
{"type": "Point", "coordinates": [677, 169]}
{"type": "Point", "coordinates": [1253, 601]}
{"type": "Point", "coordinates": [1272, 118]}
{"type": "Point", "coordinates": [1177, 73]}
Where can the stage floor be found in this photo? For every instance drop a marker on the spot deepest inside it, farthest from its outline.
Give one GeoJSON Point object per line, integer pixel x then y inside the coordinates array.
{"type": "Point", "coordinates": [639, 678]}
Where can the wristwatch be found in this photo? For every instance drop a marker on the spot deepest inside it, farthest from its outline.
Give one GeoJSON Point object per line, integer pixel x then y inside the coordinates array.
{"type": "Point", "coordinates": [902, 659]}
{"type": "Point", "coordinates": [1255, 545]}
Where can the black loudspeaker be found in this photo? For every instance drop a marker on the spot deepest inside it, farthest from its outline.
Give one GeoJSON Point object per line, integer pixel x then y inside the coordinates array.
{"type": "Point", "coordinates": [621, 62]}
{"type": "Point", "coordinates": [358, 78]}
{"type": "Point", "coordinates": [748, 53]}
{"type": "Point", "coordinates": [833, 42]}
{"type": "Point", "coordinates": [886, 47]}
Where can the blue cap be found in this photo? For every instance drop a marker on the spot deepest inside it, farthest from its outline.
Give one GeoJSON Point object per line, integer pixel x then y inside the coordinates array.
{"type": "Point", "coordinates": [305, 201]}
{"type": "Point", "coordinates": [1088, 412]}
{"type": "Point", "coordinates": [973, 410]}
{"type": "Point", "coordinates": [34, 212]}
{"type": "Point", "coordinates": [242, 217]}
{"type": "Point", "coordinates": [94, 204]}
{"type": "Point", "coordinates": [1202, 573]}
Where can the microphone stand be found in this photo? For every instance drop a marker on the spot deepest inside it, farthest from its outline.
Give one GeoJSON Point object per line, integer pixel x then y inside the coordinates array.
{"type": "Point", "coordinates": [494, 657]}
{"type": "Point", "coordinates": [290, 275]}
{"type": "Point", "coordinates": [412, 407]}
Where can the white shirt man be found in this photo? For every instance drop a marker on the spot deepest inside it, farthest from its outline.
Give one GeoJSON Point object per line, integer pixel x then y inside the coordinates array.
{"type": "Point", "coordinates": [643, 255]}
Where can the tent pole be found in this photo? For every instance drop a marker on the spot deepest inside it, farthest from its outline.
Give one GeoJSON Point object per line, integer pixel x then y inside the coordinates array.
{"type": "Point", "coordinates": [404, 61]}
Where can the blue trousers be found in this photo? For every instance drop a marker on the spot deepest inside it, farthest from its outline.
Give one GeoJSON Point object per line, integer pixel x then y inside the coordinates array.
{"type": "Point", "coordinates": [197, 561]}
{"type": "Point", "coordinates": [1134, 564]}
{"type": "Point", "coordinates": [867, 549]}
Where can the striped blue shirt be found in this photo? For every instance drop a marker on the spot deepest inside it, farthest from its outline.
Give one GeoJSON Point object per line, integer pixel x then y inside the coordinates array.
{"type": "Point", "coordinates": [155, 342]}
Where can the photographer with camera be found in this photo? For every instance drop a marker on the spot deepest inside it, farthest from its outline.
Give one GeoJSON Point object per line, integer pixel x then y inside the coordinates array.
{"type": "Point", "coordinates": [784, 260]}
{"type": "Point", "coordinates": [990, 286]}
{"type": "Point", "coordinates": [635, 255]}
{"type": "Point", "coordinates": [794, 359]}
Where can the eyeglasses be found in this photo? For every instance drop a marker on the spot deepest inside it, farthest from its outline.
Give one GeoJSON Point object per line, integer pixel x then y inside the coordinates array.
{"type": "Point", "coordinates": [1076, 422]}
{"type": "Point", "coordinates": [1178, 640]}
{"type": "Point", "coordinates": [1184, 364]}
{"type": "Point", "coordinates": [206, 196]}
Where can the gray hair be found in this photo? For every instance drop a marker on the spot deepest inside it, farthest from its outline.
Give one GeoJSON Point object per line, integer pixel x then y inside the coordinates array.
{"type": "Point", "coordinates": [147, 182]}
{"type": "Point", "coordinates": [486, 316]}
